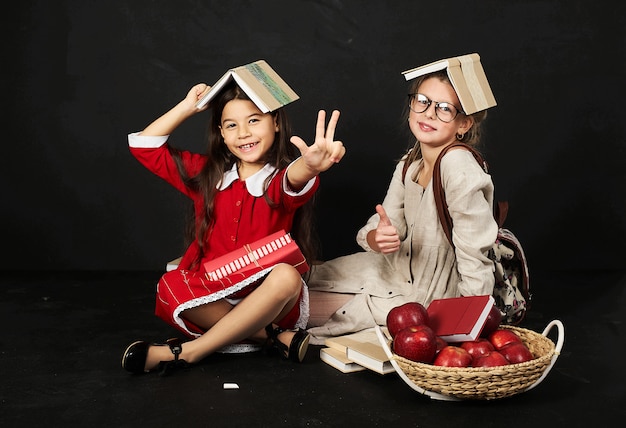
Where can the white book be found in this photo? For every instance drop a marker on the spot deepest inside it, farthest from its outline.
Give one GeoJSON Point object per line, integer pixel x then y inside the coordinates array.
{"type": "Point", "coordinates": [467, 77]}
{"type": "Point", "coordinates": [372, 357]}
{"type": "Point", "coordinates": [339, 360]}
{"type": "Point", "coordinates": [363, 348]}
{"type": "Point", "coordinates": [173, 264]}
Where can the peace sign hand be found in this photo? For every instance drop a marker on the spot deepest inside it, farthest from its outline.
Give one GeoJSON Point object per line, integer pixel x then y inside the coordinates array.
{"type": "Point", "coordinates": [325, 152]}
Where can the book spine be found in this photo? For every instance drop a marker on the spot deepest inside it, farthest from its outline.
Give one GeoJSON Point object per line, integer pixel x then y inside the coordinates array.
{"type": "Point", "coordinates": [455, 73]}
{"type": "Point", "coordinates": [476, 82]}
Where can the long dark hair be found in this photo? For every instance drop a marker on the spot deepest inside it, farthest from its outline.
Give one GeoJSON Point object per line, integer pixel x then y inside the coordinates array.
{"type": "Point", "coordinates": [219, 160]}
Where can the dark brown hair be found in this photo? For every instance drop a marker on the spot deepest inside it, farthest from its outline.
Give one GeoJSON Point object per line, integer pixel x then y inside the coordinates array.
{"type": "Point", "coordinates": [220, 160]}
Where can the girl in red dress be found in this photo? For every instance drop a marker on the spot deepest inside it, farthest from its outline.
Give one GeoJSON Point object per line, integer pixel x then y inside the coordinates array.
{"type": "Point", "coordinates": [245, 187]}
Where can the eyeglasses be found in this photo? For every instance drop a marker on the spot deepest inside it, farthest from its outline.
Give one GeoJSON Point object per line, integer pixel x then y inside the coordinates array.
{"type": "Point", "coordinates": [445, 112]}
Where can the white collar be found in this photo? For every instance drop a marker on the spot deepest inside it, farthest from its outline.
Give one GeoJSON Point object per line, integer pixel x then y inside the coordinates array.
{"type": "Point", "coordinates": [254, 183]}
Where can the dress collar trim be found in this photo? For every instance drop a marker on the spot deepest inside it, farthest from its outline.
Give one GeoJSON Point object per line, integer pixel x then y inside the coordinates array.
{"type": "Point", "coordinates": [254, 183]}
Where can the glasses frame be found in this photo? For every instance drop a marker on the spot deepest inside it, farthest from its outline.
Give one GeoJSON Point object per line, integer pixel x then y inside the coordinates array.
{"type": "Point", "coordinates": [437, 104]}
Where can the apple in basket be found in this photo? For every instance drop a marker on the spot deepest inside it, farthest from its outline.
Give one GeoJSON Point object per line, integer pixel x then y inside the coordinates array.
{"type": "Point", "coordinates": [440, 344]}
{"type": "Point", "coordinates": [494, 318]}
{"type": "Point", "coordinates": [406, 315]}
{"type": "Point", "coordinates": [490, 359]}
{"type": "Point", "coordinates": [516, 352]}
{"type": "Point", "coordinates": [453, 356]}
{"type": "Point", "coordinates": [416, 343]}
{"type": "Point", "coordinates": [501, 337]}
{"type": "Point", "coordinates": [478, 347]}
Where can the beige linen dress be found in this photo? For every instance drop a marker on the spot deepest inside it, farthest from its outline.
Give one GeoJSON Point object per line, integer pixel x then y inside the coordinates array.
{"type": "Point", "coordinates": [426, 267]}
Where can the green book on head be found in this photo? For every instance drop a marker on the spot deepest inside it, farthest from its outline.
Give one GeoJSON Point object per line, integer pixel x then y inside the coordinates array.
{"type": "Point", "coordinates": [260, 82]}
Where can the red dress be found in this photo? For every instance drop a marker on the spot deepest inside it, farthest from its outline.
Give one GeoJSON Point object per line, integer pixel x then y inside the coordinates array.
{"type": "Point", "coordinates": [242, 215]}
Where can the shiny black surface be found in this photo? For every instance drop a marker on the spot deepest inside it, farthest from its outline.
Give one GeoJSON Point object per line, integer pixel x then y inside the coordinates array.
{"type": "Point", "coordinates": [64, 335]}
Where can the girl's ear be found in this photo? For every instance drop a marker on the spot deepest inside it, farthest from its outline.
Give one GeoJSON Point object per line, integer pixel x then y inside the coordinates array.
{"type": "Point", "coordinates": [276, 127]}
{"type": "Point", "coordinates": [221, 131]}
{"type": "Point", "coordinates": [466, 123]}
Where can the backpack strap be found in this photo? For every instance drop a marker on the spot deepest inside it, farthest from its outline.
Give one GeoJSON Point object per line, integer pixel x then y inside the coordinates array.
{"type": "Point", "coordinates": [500, 209]}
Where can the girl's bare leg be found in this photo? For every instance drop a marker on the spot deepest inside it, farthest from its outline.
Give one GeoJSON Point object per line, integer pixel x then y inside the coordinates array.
{"type": "Point", "coordinates": [227, 324]}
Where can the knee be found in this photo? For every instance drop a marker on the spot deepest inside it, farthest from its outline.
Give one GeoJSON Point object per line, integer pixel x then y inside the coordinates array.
{"type": "Point", "coordinates": [286, 280]}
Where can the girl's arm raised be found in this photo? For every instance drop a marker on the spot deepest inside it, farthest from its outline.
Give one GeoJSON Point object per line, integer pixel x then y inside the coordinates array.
{"type": "Point", "coordinates": [324, 153]}
{"type": "Point", "coordinates": [182, 111]}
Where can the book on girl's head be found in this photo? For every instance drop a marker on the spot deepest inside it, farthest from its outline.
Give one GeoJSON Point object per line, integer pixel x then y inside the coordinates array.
{"type": "Point", "coordinates": [233, 267]}
{"type": "Point", "coordinates": [467, 77]}
{"type": "Point", "coordinates": [459, 319]}
{"type": "Point", "coordinates": [260, 82]}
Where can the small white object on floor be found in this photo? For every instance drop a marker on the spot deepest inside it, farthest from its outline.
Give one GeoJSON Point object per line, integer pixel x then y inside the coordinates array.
{"type": "Point", "coordinates": [231, 386]}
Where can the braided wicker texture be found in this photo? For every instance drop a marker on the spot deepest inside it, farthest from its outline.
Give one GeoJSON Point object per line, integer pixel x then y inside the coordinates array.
{"type": "Point", "coordinates": [484, 383]}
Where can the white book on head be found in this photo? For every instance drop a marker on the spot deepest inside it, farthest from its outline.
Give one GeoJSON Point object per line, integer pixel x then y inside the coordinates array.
{"type": "Point", "coordinates": [467, 77]}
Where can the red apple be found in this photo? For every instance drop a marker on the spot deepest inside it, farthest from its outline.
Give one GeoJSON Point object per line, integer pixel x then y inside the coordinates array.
{"type": "Point", "coordinates": [502, 337]}
{"type": "Point", "coordinates": [406, 315]}
{"type": "Point", "coordinates": [440, 344]}
{"type": "Point", "coordinates": [478, 347]}
{"type": "Point", "coordinates": [453, 356]}
{"type": "Point", "coordinates": [491, 359]}
{"type": "Point", "coordinates": [416, 343]}
{"type": "Point", "coordinates": [516, 352]}
{"type": "Point", "coordinates": [494, 318]}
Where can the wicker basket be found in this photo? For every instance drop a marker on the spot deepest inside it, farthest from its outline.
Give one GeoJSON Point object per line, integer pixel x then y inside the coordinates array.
{"type": "Point", "coordinates": [481, 383]}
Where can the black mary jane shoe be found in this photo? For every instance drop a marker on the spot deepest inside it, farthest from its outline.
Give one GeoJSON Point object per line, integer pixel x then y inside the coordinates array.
{"type": "Point", "coordinates": [296, 349]}
{"type": "Point", "coordinates": [134, 358]}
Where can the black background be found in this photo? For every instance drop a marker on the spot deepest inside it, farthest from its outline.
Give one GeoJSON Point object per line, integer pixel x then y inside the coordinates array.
{"type": "Point", "coordinates": [79, 76]}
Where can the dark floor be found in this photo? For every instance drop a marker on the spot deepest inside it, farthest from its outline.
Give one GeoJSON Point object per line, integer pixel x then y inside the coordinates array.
{"type": "Point", "coordinates": [64, 335]}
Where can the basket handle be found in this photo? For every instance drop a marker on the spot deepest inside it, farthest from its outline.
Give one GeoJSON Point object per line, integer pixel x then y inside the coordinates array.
{"type": "Point", "coordinates": [384, 341]}
{"type": "Point", "coordinates": [557, 350]}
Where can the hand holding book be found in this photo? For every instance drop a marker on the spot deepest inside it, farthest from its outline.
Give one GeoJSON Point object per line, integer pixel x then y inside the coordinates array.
{"type": "Point", "coordinates": [168, 122]}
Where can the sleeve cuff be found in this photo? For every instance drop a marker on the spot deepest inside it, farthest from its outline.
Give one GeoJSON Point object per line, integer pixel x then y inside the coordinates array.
{"type": "Point", "coordinates": [304, 190]}
{"type": "Point", "coordinates": [137, 140]}
{"type": "Point", "coordinates": [361, 237]}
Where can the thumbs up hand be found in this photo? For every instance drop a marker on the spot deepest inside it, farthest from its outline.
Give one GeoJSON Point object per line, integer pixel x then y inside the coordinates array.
{"type": "Point", "coordinates": [386, 238]}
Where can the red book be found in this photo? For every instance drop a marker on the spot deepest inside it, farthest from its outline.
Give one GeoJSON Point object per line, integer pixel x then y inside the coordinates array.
{"type": "Point", "coordinates": [459, 319]}
{"type": "Point", "coordinates": [252, 258]}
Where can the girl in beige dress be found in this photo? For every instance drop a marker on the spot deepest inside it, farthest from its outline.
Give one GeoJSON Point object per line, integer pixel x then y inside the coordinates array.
{"type": "Point", "coordinates": [406, 254]}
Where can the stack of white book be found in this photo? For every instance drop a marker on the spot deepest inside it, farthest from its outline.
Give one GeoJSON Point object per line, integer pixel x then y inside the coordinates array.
{"type": "Point", "coordinates": [357, 352]}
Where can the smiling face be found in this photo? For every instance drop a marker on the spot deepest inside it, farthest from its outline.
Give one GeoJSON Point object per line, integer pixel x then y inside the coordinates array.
{"type": "Point", "coordinates": [426, 127]}
{"type": "Point", "coordinates": [248, 133]}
